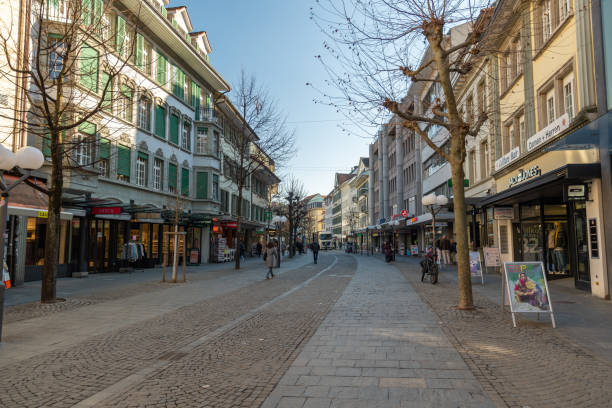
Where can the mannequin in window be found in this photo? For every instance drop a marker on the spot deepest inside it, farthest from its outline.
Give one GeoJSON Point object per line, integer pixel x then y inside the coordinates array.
{"type": "Point", "coordinates": [551, 242]}
{"type": "Point", "coordinates": [560, 243]}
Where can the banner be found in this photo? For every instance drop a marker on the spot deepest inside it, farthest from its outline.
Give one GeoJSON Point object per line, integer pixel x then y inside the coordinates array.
{"type": "Point", "coordinates": [527, 287]}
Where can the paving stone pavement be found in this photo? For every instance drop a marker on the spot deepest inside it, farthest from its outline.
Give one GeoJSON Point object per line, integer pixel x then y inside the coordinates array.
{"type": "Point", "coordinates": [65, 376]}
{"type": "Point", "coordinates": [532, 365]}
{"type": "Point", "coordinates": [379, 347]}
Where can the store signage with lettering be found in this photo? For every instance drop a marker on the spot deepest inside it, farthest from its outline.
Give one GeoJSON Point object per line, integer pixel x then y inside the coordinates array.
{"type": "Point", "coordinates": [43, 214]}
{"type": "Point", "coordinates": [548, 132]}
{"type": "Point", "coordinates": [524, 175]}
{"type": "Point", "coordinates": [230, 225]}
{"type": "Point", "coordinates": [507, 158]}
{"type": "Point", "coordinates": [503, 213]}
{"type": "Point", "coordinates": [576, 192]}
{"type": "Point", "coordinates": [106, 210]}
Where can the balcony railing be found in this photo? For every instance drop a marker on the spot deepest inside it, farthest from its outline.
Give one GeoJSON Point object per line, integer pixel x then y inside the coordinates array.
{"type": "Point", "coordinates": [209, 115]}
{"type": "Point", "coordinates": [58, 11]}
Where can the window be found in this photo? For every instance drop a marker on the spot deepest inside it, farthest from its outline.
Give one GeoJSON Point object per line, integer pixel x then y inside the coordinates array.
{"type": "Point", "coordinates": [107, 92]}
{"type": "Point", "coordinates": [56, 56]}
{"type": "Point", "coordinates": [484, 160]}
{"type": "Point", "coordinates": [185, 182]}
{"type": "Point", "coordinates": [482, 97]}
{"type": "Point", "coordinates": [550, 107]}
{"type": "Point", "coordinates": [472, 168]}
{"type": "Point", "coordinates": [160, 121]}
{"type": "Point", "coordinates": [186, 142]}
{"type": "Point", "coordinates": [142, 54]}
{"type": "Point", "coordinates": [84, 144]}
{"type": "Point", "coordinates": [106, 27]}
{"type": "Point", "coordinates": [122, 38]}
{"type": "Point", "coordinates": [506, 139]}
{"type": "Point", "coordinates": [124, 154]}
{"type": "Point", "coordinates": [174, 129]}
{"type": "Point", "coordinates": [202, 140]}
{"type": "Point", "coordinates": [216, 142]}
{"type": "Point", "coordinates": [89, 68]}
{"type": "Point", "coordinates": [142, 162]}
{"type": "Point", "coordinates": [125, 103]}
{"type": "Point", "coordinates": [144, 113]}
{"type": "Point", "coordinates": [565, 8]}
{"type": "Point", "coordinates": [225, 201]}
{"type": "Point", "coordinates": [178, 82]}
{"type": "Point", "coordinates": [158, 174]}
{"type": "Point", "coordinates": [546, 20]}
{"type": "Point", "coordinates": [568, 95]}
{"type": "Point", "coordinates": [522, 134]}
{"type": "Point", "coordinates": [513, 137]}
{"type": "Point", "coordinates": [172, 177]}
{"type": "Point", "coordinates": [470, 108]}
{"type": "Point", "coordinates": [202, 185]}
{"type": "Point", "coordinates": [104, 157]}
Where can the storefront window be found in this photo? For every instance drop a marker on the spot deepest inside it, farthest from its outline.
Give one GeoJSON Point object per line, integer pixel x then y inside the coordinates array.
{"type": "Point", "coordinates": [155, 242]}
{"type": "Point", "coordinates": [35, 241]}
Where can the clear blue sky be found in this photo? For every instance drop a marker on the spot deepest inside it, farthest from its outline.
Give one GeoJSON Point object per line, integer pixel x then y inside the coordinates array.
{"type": "Point", "coordinates": [277, 41]}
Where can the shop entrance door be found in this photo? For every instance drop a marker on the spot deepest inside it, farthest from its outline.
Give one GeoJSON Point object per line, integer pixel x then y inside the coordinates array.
{"type": "Point", "coordinates": [99, 248]}
{"type": "Point", "coordinates": [580, 262]}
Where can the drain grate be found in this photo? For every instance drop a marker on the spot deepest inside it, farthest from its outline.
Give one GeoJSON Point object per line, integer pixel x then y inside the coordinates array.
{"type": "Point", "coordinates": [172, 356]}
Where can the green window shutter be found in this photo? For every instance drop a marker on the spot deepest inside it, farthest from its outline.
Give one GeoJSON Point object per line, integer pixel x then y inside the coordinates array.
{"type": "Point", "coordinates": [181, 84]}
{"type": "Point", "coordinates": [174, 129]}
{"type": "Point", "coordinates": [107, 92]}
{"type": "Point", "coordinates": [139, 51]}
{"type": "Point", "coordinates": [163, 10]}
{"type": "Point", "coordinates": [123, 160]}
{"type": "Point", "coordinates": [127, 91]}
{"type": "Point", "coordinates": [162, 64]}
{"type": "Point", "coordinates": [202, 186]}
{"type": "Point", "coordinates": [171, 175]}
{"type": "Point", "coordinates": [104, 148]}
{"type": "Point", "coordinates": [195, 95]}
{"type": "Point", "coordinates": [175, 79]}
{"type": "Point", "coordinates": [185, 182]}
{"type": "Point", "coordinates": [87, 127]}
{"type": "Point", "coordinates": [86, 12]}
{"type": "Point", "coordinates": [208, 101]}
{"type": "Point", "coordinates": [98, 7]}
{"type": "Point", "coordinates": [120, 35]}
{"type": "Point", "coordinates": [160, 121]}
{"type": "Point", "coordinates": [89, 68]}
{"type": "Point", "coordinates": [174, 23]}
{"type": "Point", "coordinates": [143, 156]}
{"type": "Point", "coordinates": [46, 144]}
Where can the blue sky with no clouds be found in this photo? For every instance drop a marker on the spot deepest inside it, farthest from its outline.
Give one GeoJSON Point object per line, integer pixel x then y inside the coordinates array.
{"type": "Point", "coordinates": [277, 41]}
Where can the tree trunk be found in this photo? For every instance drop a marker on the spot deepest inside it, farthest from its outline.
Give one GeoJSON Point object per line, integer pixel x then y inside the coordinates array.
{"type": "Point", "coordinates": [463, 261]}
{"type": "Point", "coordinates": [238, 229]}
{"type": "Point", "coordinates": [49, 274]}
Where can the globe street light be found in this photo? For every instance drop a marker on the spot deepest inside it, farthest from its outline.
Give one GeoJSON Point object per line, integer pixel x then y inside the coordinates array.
{"type": "Point", "coordinates": [434, 204]}
{"type": "Point", "coordinates": [29, 158]}
{"type": "Point", "coordinates": [279, 220]}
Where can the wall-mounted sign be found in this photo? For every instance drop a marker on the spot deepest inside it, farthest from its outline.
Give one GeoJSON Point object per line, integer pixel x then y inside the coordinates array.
{"type": "Point", "coordinates": [548, 132]}
{"type": "Point", "coordinates": [593, 238]}
{"type": "Point", "coordinates": [507, 158]}
{"type": "Point", "coordinates": [106, 210]}
{"type": "Point", "coordinates": [43, 214]}
{"type": "Point", "coordinates": [503, 213]}
{"type": "Point", "coordinates": [404, 213]}
{"type": "Point", "coordinates": [524, 175]}
{"type": "Point", "coordinates": [492, 256]}
{"type": "Point", "coordinates": [575, 192]}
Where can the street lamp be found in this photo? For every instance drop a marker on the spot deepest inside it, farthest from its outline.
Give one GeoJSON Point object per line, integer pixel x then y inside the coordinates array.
{"type": "Point", "coordinates": [28, 158]}
{"type": "Point", "coordinates": [279, 220]}
{"type": "Point", "coordinates": [434, 204]}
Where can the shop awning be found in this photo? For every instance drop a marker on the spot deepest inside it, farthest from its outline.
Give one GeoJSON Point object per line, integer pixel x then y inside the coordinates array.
{"type": "Point", "coordinates": [548, 185]}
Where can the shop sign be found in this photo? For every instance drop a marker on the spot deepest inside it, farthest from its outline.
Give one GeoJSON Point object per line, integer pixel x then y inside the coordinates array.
{"type": "Point", "coordinates": [576, 192]}
{"type": "Point", "coordinates": [230, 225]}
{"type": "Point", "coordinates": [524, 175]}
{"type": "Point", "coordinates": [106, 210]}
{"type": "Point", "coordinates": [259, 231]}
{"type": "Point", "coordinates": [492, 257]}
{"type": "Point", "coordinates": [507, 158]}
{"type": "Point", "coordinates": [593, 238]}
{"type": "Point", "coordinates": [404, 213]}
{"type": "Point", "coordinates": [194, 256]}
{"type": "Point", "coordinates": [414, 250]}
{"type": "Point", "coordinates": [503, 213]}
{"type": "Point", "coordinates": [43, 214]}
{"type": "Point", "coordinates": [548, 132]}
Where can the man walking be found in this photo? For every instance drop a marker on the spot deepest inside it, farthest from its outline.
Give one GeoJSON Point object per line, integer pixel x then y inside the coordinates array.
{"type": "Point", "coordinates": [314, 247]}
{"type": "Point", "coordinates": [445, 247]}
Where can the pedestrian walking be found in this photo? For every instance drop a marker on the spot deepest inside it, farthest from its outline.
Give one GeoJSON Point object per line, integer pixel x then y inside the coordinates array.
{"type": "Point", "coordinates": [258, 248]}
{"type": "Point", "coordinates": [278, 253]}
{"type": "Point", "coordinates": [445, 247]}
{"type": "Point", "coordinates": [242, 252]}
{"type": "Point", "coordinates": [271, 258]}
{"type": "Point", "coordinates": [388, 252]}
{"type": "Point", "coordinates": [314, 247]}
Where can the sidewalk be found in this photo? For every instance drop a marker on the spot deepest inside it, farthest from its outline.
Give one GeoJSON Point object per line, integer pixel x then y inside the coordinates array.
{"type": "Point", "coordinates": [582, 318]}
{"type": "Point", "coordinates": [380, 346]}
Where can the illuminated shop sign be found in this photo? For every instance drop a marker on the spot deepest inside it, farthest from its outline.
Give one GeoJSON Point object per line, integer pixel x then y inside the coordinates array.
{"type": "Point", "coordinates": [524, 175]}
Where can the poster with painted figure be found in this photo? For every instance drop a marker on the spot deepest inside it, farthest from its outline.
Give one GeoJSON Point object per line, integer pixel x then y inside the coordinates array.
{"type": "Point", "coordinates": [527, 287]}
{"type": "Point", "coordinates": [475, 264]}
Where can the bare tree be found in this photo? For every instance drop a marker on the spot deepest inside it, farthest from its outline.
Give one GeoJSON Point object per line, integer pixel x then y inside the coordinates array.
{"type": "Point", "coordinates": [379, 48]}
{"type": "Point", "coordinates": [293, 194]}
{"type": "Point", "coordinates": [264, 140]}
{"type": "Point", "coordinates": [63, 64]}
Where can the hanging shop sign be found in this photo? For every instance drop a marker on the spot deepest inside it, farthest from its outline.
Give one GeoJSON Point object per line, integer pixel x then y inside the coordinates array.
{"type": "Point", "coordinates": [404, 213]}
{"type": "Point", "coordinates": [507, 158]}
{"type": "Point", "coordinates": [230, 225]}
{"type": "Point", "coordinates": [549, 132]}
{"type": "Point", "coordinates": [524, 175]}
{"type": "Point", "coordinates": [503, 213]}
{"type": "Point", "coordinates": [106, 210]}
{"type": "Point", "coordinates": [575, 192]}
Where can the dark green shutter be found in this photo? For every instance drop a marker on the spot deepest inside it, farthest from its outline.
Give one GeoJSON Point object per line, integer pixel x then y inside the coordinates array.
{"type": "Point", "coordinates": [89, 68]}
{"type": "Point", "coordinates": [163, 11]}
{"type": "Point", "coordinates": [104, 148]}
{"type": "Point", "coordinates": [120, 35]}
{"type": "Point", "coordinates": [162, 65]}
{"type": "Point", "coordinates": [181, 84]}
{"type": "Point", "coordinates": [202, 186]}
{"type": "Point", "coordinates": [143, 156]}
{"type": "Point", "coordinates": [123, 160]}
{"type": "Point", "coordinates": [139, 51]}
{"type": "Point", "coordinates": [97, 12]}
{"type": "Point", "coordinates": [86, 12]}
{"type": "Point", "coordinates": [195, 96]}
{"type": "Point", "coordinates": [174, 129]}
{"type": "Point", "coordinates": [160, 121]}
{"type": "Point", "coordinates": [87, 127]}
{"type": "Point", "coordinates": [185, 182]}
{"type": "Point", "coordinates": [108, 92]}
{"type": "Point", "coordinates": [127, 91]}
{"type": "Point", "coordinates": [171, 175]}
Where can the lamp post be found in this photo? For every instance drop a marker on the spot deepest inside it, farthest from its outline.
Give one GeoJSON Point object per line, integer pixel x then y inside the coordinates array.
{"type": "Point", "coordinates": [278, 221]}
{"type": "Point", "coordinates": [434, 204]}
{"type": "Point", "coordinates": [28, 158]}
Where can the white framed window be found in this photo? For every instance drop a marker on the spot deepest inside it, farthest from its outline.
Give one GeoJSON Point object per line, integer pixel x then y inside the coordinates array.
{"type": "Point", "coordinates": [546, 20]}
{"type": "Point", "coordinates": [186, 142]}
{"type": "Point", "coordinates": [565, 8]}
{"type": "Point", "coordinates": [144, 113]}
{"type": "Point", "coordinates": [56, 58]}
{"type": "Point", "coordinates": [158, 168]}
{"type": "Point", "coordinates": [202, 140]}
{"type": "Point", "coordinates": [521, 129]}
{"type": "Point", "coordinates": [141, 171]}
{"type": "Point", "coordinates": [550, 106]}
{"type": "Point", "coordinates": [83, 150]}
{"type": "Point", "coordinates": [568, 95]}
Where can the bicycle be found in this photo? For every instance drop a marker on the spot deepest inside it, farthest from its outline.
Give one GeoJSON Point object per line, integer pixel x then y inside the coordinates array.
{"type": "Point", "coordinates": [430, 269]}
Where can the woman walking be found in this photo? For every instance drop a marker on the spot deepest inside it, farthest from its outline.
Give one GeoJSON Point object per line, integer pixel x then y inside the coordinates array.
{"type": "Point", "coordinates": [270, 256]}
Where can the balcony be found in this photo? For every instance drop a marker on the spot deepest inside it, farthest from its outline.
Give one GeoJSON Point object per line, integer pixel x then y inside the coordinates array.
{"type": "Point", "coordinates": [209, 115]}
